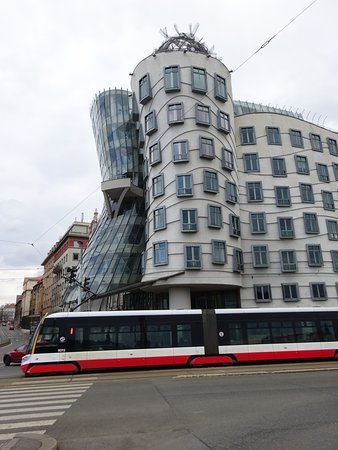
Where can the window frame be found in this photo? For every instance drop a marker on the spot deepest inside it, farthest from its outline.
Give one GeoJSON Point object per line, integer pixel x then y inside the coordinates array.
{"type": "Point", "coordinates": [334, 259]}
{"type": "Point", "coordinates": [210, 184]}
{"type": "Point", "coordinates": [260, 255]}
{"type": "Point", "coordinates": [234, 225]}
{"type": "Point", "coordinates": [192, 227]}
{"type": "Point", "coordinates": [290, 298]}
{"type": "Point", "coordinates": [215, 216]}
{"type": "Point", "coordinates": [220, 88]}
{"type": "Point", "coordinates": [185, 190]}
{"type": "Point", "coordinates": [196, 261]}
{"type": "Point", "coordinates": [314, 255]}
{"type": "Point", "coordinates": [271, 136]}
{"type": "Point", "coordinates": [322, 172]}
{"type": "Point", "coordinates": [172, 86]}
{"type": "Point", "coordinates": [301, 160]}
{"type": "Point", "coordinates": [157, 261]}
{"type": "Point", "coordinates": [286, 232]}
{"type": "Point", "coordinates": [316, 142]}
{"type": "Point", "coordinates": [202, 114]}
{"type": "Point", "coordinates": [282, 200]}
{"type": "Point", "coordinates": [331, 233]}
{"type": "Point", "coordinates": [215, 251]}
{"type": "Point", "coordinates": [312, 220]}
{"type": "Point", "coordinates": [231, 192]}
{"type": "Point", "coordinates": [296, 138]}
{"type": "Point", "coordinates": [247, 137]}
{"type": "Point", "coordinates": [290, 265]}
{"type": "Point", "coordinates": [155, 154]}
{"type": "Point", "coordinates": [332, 146]}
{"type": "Point", "coordinates": [223, 121]}
{"type": "Point", "coordinates": [262, 293]}
{"type": "Point", "coordinates": [206, 144]}
{"type": "Point", "coordinates": [183, 159]}
{"type": "Point", "coordinates": [251, 162]}
{"type": "Point", "coordinates": [159, 218]}
{"type": "Point", "coordinates": [306, 193]}
{"type": "Point", "coordinates": [176, 110]}
{"type": "Point", "coordinates": [158, 182]}
{"type": "Point", "coordinates": [278, 170]}
{"type": "Point", "coordinates": [313, 294]}
{"type": "Point", "coordinates": [237, 260]}
{"type": "Point", "coordinates": [254, 187]}
{"type": "Point", "coordinates": [328, 205]}
{"type": "Point", "coordinates": [145, 93]}
{"type": "Point", "coordinates": [261, 227]}
{"type": "Point", "coordinates": [150, 123]}
{"type": "Point", "coordinates": [196, 85]}
{"type": "Point", "coordinates": [227, 159]}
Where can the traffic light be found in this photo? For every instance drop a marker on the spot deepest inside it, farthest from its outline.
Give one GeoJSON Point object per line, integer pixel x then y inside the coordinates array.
{"type": "Point", "coordinates": [72, 274]}
{"type": "Point", "coordinates": [86, 282]}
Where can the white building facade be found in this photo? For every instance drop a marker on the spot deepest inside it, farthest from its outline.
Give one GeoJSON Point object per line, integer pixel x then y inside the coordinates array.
{"type": "Point", "coordinates": [240, 198]}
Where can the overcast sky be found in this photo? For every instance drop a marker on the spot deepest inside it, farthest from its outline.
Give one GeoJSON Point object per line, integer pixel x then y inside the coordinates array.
{"type": "Point", "coordinates": [55, 55]}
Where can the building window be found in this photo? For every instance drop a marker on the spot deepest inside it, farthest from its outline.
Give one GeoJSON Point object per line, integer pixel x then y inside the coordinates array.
{"type": "Point", "coordinates": [234, 225]}
{"type": "Point", "coordinates": [155, 154]}
{"type": "Point", "coordinates": [288, 260]}
{"type": "Point", "coordinates": [332, 229]}
{"type": "Point", "coordinates": [202, 114]}
{"type": "Point", "coordinates": [75, 256]}
{"type": "Point", "coordinates": [184, 185]}
{"type": "Point", "coordinates": [207, 149]}
{"type": "Point", "coordinates": [159, 218]}
{"type": "Point", "coordinates": [316, 142]}
{"type": "Point", "coordinates": [273, 135]}
{"type": "Point", "coordinates": [145, 89]}
{"type": "Point", "coordinates": [258, 223]}
{"type": "Point", "coordinates": [158, 185]}
{"type": "Point", "coordinates": [302, 165]}
{"type": "Point", "coordinates": [210, 181]}
{"type": "Point", "coordinates": [247, 135]}
{"type": "Point", "coordinates": [296, 138]}
{"type": "Point", "coordinates": [323, 172]}
{"type": "Point", "coordinates": [318, 291]}
{"type": "Point", "coordinates": [218, 252]}
{"type": "Point", "coordinates": [311, 223]}
{"type": "Point", "coordinates": [214, 216]}
{"type": "Point", "coordinates": [251, 162]}
{"type": "Point", "coordinates": [231, 195]}
{"type": "Point", "coordinates": [282, 194]}
{"type": "Point", "coordinates": [238, 262]}
{"type": "Point", "coordinates": [290, 292]}
{"type": "Point", "coordinates": [262, 293]}
{"type": "Point", "coordinates": [332, 144]}
{"type": "Point", "coordinates": [306, 193]}
{"type": "Point", "coordinates": [334, 257]}
{"type": "Point", "coordinates": [278, 167]}
{"type": "Point", "coordinates": [223, 121]}
{"type": "Point", "coordinates": [150, 123]}
{"type": "Point", "coordinates": [175, 113]}
{"type": "Point", "coordinates": [160, 252]}
{"type": "Point", "coordinates": [188, 220]}
{"type": "Point", "coordinates": [199, 80]}
{"type": "Point", "coordinates": [260, 255]}
{"type": "Point", "coordinates": [193, 258]}
{"type": "Point", "coordinates": [328, 202]}
{"type": "Point", "coordinates": [220, 88]}
{"type": "Point", "coordinates": [254, 191]}
{"type": "Point", "coordinates": [227, 159]}
{"type": "Point", "coordinates": [335, 171]}
{"type": "Point", "coordinates": [172, 80]}
{"type": "Point", "coordinates": [180, 151]}
{"type": "Point", "coordinates": [286, 228]}
{"type": "Point", "coordinates": [314, 255]}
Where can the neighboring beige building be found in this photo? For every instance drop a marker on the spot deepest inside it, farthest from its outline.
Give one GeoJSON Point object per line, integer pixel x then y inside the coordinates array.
{"type": "Point", "coordinates": [65, 254]}
{"type": "Point", "coordinates": [28, 285]}
{"type": "Point", "coordinates": [7, 312]}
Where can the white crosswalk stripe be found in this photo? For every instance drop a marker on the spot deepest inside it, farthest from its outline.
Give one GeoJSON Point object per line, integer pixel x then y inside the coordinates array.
{"type": "Point", "coordinates": [32, 406]}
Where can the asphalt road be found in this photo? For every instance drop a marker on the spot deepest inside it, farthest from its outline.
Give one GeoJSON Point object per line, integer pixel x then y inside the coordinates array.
{"type": "Point", "coordinates": [282, 407]}
{"type": "Point", "coordinates": [10, 339]}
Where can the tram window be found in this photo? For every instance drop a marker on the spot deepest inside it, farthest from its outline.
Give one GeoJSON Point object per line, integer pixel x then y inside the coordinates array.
{"type": "Point", "coordinates": [183, 335]}
{"type": "Point", "coordinates": [306, 331]}
{"type": "Point", "coordinates": [258, 333]}
{"type": "Point", "coordinates": [236, 333]}
{"type": "Point", "coordinates": [282, 332]}
{"type": "Point", "coordinates": [102, 338]}
{"type": "Point", "coordinates": [129, 336]}
{"type": "Point", "coordinates": [48, 340]}
{"type": "Point", "coordinates": [75, 341]}
{"type": "Point", "coordinates": [327, 330]}
{"type": "Point", "coordinates": [159, 336]}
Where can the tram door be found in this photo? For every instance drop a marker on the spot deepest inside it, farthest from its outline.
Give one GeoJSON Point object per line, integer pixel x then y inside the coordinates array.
{"type": "Point", "coordinates": [210, 331]}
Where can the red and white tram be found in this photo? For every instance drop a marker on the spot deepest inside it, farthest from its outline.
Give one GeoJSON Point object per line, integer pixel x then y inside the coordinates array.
{"type": "Point", "coordinates": [89, 341]}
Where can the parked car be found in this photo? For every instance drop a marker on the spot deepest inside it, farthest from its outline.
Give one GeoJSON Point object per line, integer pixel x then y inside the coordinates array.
{"type": "Point", "coordinates": [15, 356]}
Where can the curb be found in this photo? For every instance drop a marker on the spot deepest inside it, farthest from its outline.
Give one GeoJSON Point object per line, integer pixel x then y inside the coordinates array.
{"type": "Point", "coordinates": [31, 441]}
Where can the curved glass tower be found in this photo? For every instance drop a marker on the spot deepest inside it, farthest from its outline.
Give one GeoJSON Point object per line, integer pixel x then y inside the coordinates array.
{"type": "Point", "coordinates": [112, 259]}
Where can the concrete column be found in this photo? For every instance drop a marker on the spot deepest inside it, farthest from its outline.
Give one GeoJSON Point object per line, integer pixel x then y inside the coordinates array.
{"type": "Point", "coordinates": [179, 298]}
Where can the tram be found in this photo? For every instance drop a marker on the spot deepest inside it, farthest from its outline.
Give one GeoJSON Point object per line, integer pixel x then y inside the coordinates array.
{"type": "Point", "coordinates": [72, 342]}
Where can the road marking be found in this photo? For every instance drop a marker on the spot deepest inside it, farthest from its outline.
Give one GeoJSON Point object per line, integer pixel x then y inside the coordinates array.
{"type": "Point", "coordinates": [33, 408]}
{"type": "Point", "coordinates": [34, 394]}
{"type": "Point", "coordinates": [44, 397]}
{"type": "Point", "coordinates": [50, 388]}
{"type": "Point", "coordinates": [34, 415]}
{"type": "Point", "coordinates": [53, 380]}
{"type": "Point", "coordinates": [50, 402]}
{"type": "Point", "coordinates": [38, 423]}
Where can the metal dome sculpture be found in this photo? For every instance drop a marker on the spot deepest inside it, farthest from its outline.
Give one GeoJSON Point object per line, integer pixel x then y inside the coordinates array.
{"type": "Point", "coordinates": [186, 42]}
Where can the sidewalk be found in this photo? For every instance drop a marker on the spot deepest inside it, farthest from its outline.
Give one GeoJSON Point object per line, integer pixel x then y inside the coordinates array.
{"type": "Point", "coordinates": [31, 441]}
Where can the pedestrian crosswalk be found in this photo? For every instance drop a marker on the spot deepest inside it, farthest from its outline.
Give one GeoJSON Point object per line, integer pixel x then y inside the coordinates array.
{"type": "Point", "coordinates": [34, 405]}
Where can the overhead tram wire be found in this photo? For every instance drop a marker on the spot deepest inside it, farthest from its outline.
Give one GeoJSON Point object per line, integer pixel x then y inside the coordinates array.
{"type": "Point", "coordinates": [278, 32]}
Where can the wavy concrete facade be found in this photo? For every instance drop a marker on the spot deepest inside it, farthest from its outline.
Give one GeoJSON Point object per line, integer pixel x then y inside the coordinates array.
{"type": "Point", "coordinates": [237, 203]}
